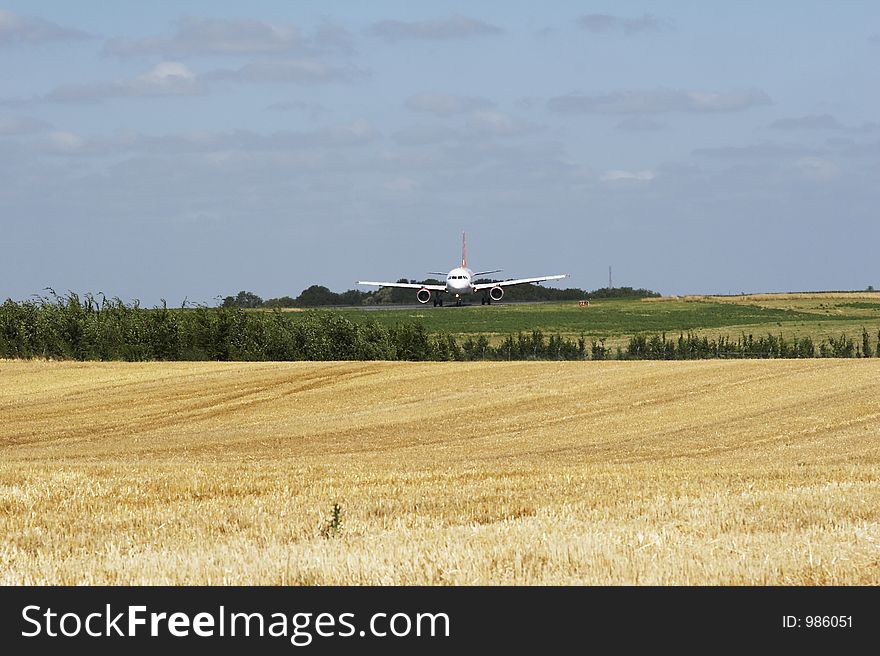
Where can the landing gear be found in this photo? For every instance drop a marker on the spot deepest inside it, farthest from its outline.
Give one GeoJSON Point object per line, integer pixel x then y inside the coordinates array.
{"type": "Point", "coordinates": [486, 300]}
{"type": "Point", "coordinates": [438, 301]}
{"type": "Point", "coordinates": [458, 303]}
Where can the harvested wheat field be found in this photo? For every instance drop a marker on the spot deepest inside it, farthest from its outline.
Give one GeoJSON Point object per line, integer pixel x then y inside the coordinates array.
{"type": "Point", "coordinates": [710, 472]}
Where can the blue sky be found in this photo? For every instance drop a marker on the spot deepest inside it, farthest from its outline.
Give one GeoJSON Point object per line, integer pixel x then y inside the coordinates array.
{"type": "Point", "coordinates": [192, 149]}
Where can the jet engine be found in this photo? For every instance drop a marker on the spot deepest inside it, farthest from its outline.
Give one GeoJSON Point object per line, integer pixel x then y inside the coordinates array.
{"type": "Point", "coordinates": [423, 295]}
{"type": "Point", "coordinates": [496, 293]}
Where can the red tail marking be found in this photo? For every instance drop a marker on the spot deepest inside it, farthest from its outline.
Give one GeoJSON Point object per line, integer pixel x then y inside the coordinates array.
{"type": "Point", "coordinates": [463, 251]}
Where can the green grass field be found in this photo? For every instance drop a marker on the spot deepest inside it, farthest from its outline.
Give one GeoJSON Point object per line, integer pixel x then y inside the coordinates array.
{"type": "Point", "coordinates": [818, 316]}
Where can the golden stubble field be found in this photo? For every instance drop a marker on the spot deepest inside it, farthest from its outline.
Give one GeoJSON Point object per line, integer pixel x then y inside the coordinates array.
{"type": "Point", "coordinates": [711, 472]}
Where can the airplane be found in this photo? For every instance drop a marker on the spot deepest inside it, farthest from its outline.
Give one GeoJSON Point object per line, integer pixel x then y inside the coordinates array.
{"type": "Point", "coordinates": [460, 281]}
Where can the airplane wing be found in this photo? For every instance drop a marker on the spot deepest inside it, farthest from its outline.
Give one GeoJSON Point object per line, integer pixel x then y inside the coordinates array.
{"type": "Point", "coordinates": [405, 285]}
{"type": "Point", "coordinates": [519, 281]}
{"type": "Point", "coordinates": [483, 273]}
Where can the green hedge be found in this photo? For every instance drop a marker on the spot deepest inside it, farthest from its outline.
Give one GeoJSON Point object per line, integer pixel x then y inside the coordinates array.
{"type": "Point", "coordinates": [67, 327]}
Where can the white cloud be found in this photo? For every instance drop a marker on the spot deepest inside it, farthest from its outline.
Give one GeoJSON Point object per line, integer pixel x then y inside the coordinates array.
{"type": "Point", "coordinates": [167, 74]}
{"type": "Point", "coordinates": [850, 148]}
{"type": "Point", "coordinates": [817, 168]}
{"type": "Point", "coordinates": [15, 29]}
{"type": "Point", "coordinates": [822, 122]}
{"type": "Point", "coordinates": [598, 23]}
{"type": "Point", "coordinates": [312, 109]}
{"type": "Point", "coordinates": [164, 79]}
{"type": "Point", "coordinates": [64, 143]}
{"type": "Point", "coordinates": [730, 101]}
{"type": "Point", "coordinates": [495, 123]}
{"type": "Point", "coordinates": [810, 122]}
{"type": "Point", "coordinates": [657, 101]}
{"type": "Point", "coordinates": [455, 27]}
{"type": "Point", "coordinates": [353, 134]}
{"type": "Point", "coordinates": [480, 126]}
{"type": "Point", "coordinates": [356, 132]}
{"type": "Point", "coordinates": [212, 36]}
{"type": "Point", "coordinates": [639, 124]}
{"type": "Point", "coordinates": [294, 71]}
{"type": "Point", "coordinates": [401, 184]}
{"type": "Point", "coordinates": [446, 104]}
{"type": "Point", "coordinates": [626, 176]}
{"type": "Point", "coordinates": [171, 78]}
{"type": "Point", "coordinates": [764, 150]}
{"type": "Point", "coordinates": [17, 125]}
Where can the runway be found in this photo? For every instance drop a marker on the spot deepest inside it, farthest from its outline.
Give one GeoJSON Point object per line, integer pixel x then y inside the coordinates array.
{"type": "Point", "coordinates": [419, 306]}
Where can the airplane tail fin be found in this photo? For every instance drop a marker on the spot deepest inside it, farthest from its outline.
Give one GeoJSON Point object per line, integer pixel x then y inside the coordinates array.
{"type": "Point", "coordinates": [463, 251]}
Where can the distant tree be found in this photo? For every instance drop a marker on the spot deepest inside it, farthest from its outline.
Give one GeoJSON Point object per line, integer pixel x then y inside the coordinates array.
{"type": "Point", "coordinates": [243, 300]}
{"type": "Point", "coordinates": [282, 302]}
{"type": "Point", "coordinates": [353, 297]}
{"type": "Point", "coordinates": [317, 295]}
{"type": "Point", "coordinates": [537, 292]}
{"type": "Point", "coordinates": [541, 293]}
{"type": "Point", "coordinates": [379, 297]}
{"type": "Point", "coordinates": [622, 292]}
{"type": "Point", "coordinates": [404, 295]}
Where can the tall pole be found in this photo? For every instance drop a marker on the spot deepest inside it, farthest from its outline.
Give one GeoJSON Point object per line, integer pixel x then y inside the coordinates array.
{"type": "Point", "coordinates": [609, 277]}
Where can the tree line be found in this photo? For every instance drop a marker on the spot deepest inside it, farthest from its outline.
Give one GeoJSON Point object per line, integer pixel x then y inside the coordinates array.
{"type": "Point", "coordinates": [71, 328]}
{"type": "Point", "coordinates": [320, 296]}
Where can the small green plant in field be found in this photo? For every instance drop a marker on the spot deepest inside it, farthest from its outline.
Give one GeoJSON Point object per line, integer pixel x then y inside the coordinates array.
{"type": "Point", "coordinates": [333, 526]}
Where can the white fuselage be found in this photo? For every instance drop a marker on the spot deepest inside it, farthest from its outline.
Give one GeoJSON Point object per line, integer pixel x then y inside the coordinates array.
{"type": "Point", "coordinates": [460, 281]}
